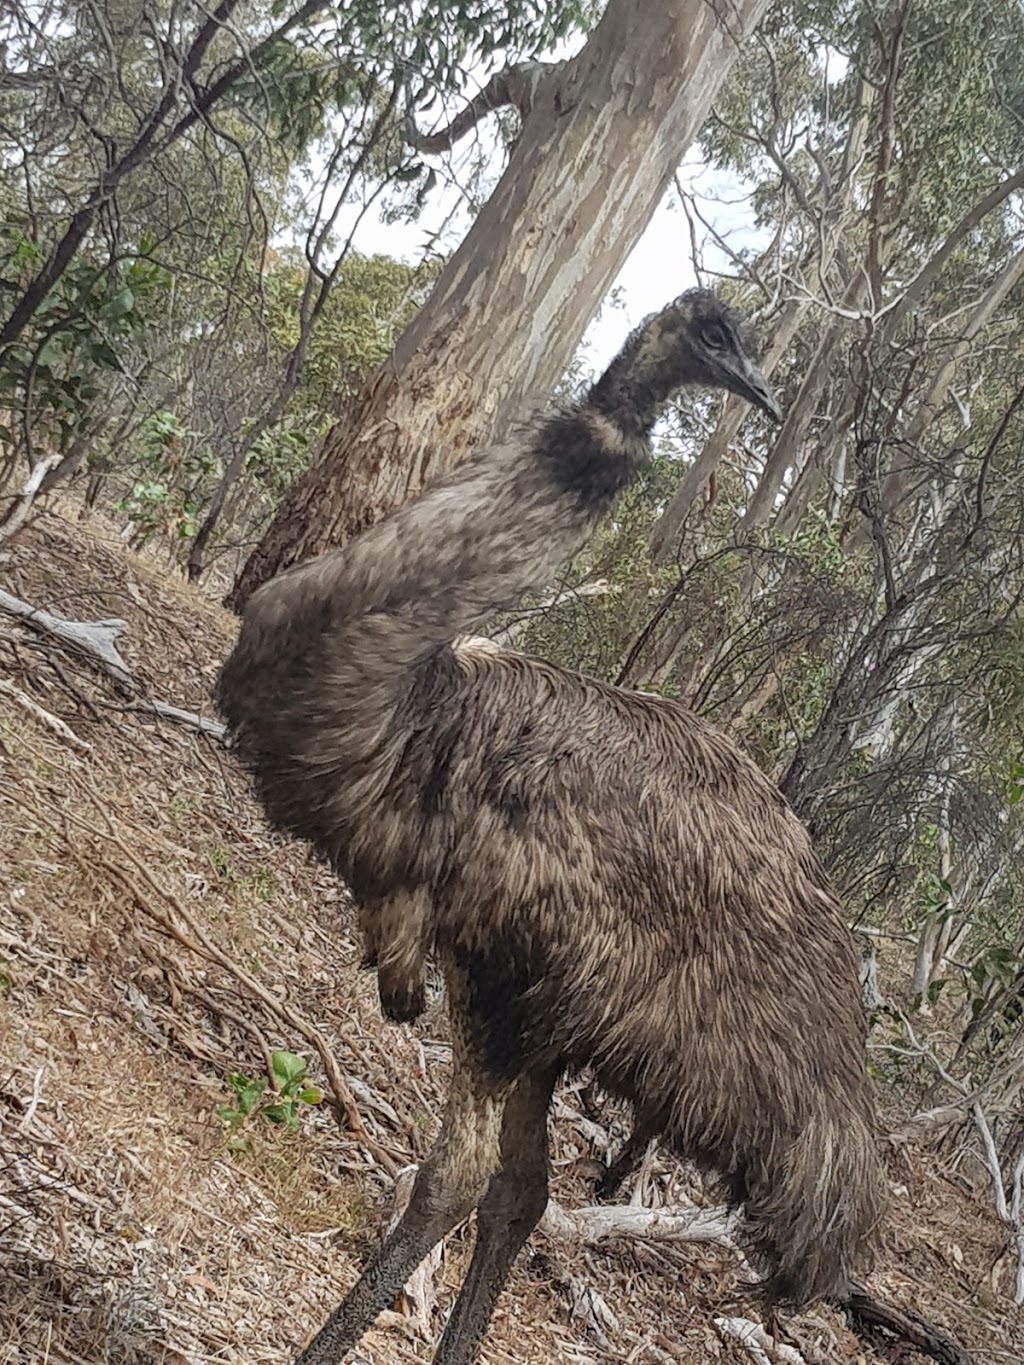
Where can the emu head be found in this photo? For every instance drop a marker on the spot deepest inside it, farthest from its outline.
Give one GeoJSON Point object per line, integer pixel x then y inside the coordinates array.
{"type": "Point", "coordinates": [698, 339]}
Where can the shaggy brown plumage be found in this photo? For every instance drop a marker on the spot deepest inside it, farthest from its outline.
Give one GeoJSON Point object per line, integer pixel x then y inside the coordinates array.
{"type": "Point", "coordinates": [605, 880]}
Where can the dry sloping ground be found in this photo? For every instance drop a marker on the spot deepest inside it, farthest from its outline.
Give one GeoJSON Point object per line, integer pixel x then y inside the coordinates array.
{"type": "Point", "coordinates": [154, 938]}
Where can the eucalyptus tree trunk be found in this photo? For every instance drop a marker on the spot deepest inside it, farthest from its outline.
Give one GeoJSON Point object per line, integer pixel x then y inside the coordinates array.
{"type": "Point", "coordinates": [601, 137]}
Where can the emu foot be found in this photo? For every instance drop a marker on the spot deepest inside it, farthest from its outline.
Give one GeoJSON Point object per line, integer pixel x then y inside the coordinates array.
{"type": "Point", "coordinates": [625, 1164]}
{"type": "Point", "coordinates": [610, 1181]}
{"type": "Point", "coordinates": [402, 998]}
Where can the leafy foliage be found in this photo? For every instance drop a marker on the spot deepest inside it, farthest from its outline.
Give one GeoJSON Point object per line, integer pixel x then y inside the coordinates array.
{"type": "Point", "coordinates": [284, 1105]}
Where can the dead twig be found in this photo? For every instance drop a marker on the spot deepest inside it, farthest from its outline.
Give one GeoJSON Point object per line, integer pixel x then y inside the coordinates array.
{"type": "Point", "coordinates": [183, 927]}
{"type": "Point", "coordinates": [44, 717]}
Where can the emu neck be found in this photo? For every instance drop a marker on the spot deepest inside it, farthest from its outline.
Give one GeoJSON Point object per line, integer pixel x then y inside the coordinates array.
{"type": "Point", "coordinates": [636, 385]}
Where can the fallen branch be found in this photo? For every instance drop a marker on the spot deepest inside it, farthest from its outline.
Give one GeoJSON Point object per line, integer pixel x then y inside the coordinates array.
{"type": "Point", "coordinates": [190, 719]}
{"type": "Point", "coordinates": [51, 722]}
{"type": "Point", "coordinates": [93, 638]}
{"type": "Point", "coordinates": [758, 1343]}
{"type": "Point", "coordinates": [679, 1223]}
{"type": "Point", "coordinates": [867, 1313]}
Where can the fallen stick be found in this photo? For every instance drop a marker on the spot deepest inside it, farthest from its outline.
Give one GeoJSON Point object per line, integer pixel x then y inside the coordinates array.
{"type": "Point", "coordinates": [44, 717]}
{"type": "Point", "coordinates": [678, 1223]}
{"type": "Point", "coordinates": [95, 639]}
{"type": "Point", "coordinates": [867, 1314]}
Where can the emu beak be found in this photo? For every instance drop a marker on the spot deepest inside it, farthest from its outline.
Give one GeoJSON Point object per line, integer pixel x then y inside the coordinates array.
{"type": "Point", "coordinates": [750, 383]}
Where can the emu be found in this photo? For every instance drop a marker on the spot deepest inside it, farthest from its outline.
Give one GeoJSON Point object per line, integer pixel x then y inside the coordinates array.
{"type": "Point", "coordinates": [604, 879]}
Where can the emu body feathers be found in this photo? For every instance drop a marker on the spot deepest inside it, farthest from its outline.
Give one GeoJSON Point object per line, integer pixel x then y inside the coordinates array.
{"type": "Point", "coordinates": [604, 879]}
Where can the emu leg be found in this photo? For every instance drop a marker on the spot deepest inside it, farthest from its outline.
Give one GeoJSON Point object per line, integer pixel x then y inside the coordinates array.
{"type": "Point", "coordinates": [448, 1186]}
{"type": "Point", "coordinates": [512, 1207]}
{"type": "Point", "coordinates": [627, 1161]}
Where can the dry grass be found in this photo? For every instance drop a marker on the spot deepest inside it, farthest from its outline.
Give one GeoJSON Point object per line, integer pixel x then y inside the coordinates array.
{"type": "Point", "coordinates": [154, 938]}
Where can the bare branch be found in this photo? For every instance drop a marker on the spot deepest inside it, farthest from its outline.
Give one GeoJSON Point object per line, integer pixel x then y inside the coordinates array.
{"type": "Point", "coordinates": [93, 638]}
{"type": "Point", "coordinates": [516, 86]}
{"type": "Point", "coordinates": [678, 1223]}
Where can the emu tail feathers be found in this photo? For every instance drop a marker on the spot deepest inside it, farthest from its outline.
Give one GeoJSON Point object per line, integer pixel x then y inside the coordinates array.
{"type": "Point", "coordinates": [814, 1221]}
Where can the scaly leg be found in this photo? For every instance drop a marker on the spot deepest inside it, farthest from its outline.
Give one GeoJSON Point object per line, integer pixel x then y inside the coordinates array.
{"type": "Point", "coordinates": [448, 1186]}
{"type": "Point", "coordinates": [512, 1207]}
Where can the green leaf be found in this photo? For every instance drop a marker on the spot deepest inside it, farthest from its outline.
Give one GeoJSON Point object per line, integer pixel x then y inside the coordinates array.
{"type": "Point", "coordinates": [101, 353]}
{"type": "Point", "coordinates": [286, 1113]}
{"type": "Point", "coordinates": [287, 1068]}
{"type": "Point", "coordinates": [119, 306]}
{"type": "Point", "coordinates": [247, 1090]}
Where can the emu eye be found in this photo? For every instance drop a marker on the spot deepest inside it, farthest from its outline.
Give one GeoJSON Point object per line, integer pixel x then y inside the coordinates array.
{"type": "Point", "coordinates": [714, 336]}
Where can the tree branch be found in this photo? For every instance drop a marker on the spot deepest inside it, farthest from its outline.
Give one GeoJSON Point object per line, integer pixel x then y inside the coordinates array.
{"type": "Point", "coordinates": [93, 638]}
{"type": "Point", "coordinates": [516, 86]}
{"type": "Point", "coordinates": [868, 1312]}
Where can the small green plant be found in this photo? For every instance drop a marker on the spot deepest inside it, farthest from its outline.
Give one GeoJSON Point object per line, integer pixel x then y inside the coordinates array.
{"type": "Point", "coordinates": [220, 861]}
{"type": "Point", "coordinates": [283, 1105]}
{"type": "Point", "coordinates": [262, 883]}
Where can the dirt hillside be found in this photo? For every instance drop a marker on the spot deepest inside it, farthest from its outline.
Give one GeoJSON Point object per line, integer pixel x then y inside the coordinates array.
{"type": "Point", "coordinates": [155, 940]}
